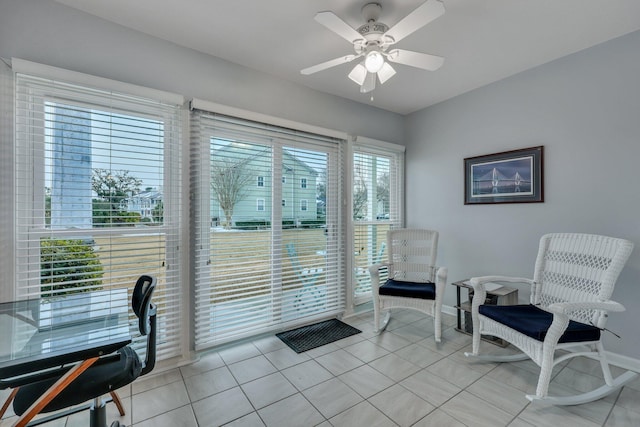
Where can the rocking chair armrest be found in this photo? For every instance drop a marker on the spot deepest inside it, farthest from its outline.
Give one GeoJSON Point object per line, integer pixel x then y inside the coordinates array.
{"type": "Point", "coordinates": [374, 271]}
{"type": "Point", "coordinates": [564, 308]}
{"type": "Point", "coordinates": [561, 311]}
{"type": "Point", "coordinates": [440, 282]}
{"type": "Point", "coordinates": [441, 277]}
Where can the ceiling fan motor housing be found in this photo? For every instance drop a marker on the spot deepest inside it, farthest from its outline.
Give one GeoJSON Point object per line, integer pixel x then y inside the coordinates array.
{"type": "Point", "coordinates": [372, 29]}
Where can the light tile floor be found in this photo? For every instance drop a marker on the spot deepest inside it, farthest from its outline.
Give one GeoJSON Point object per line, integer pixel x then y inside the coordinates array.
{"type": "Point", "coordinates": [399, 378]}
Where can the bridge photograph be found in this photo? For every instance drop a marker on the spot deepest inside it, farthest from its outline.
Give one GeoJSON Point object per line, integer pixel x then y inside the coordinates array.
{"type": "Point", "coordinates": [508, 177]}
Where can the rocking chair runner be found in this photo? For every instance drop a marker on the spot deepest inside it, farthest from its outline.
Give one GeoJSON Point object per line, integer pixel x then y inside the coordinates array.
{"type": "Point", "coordinates": [573, 280]}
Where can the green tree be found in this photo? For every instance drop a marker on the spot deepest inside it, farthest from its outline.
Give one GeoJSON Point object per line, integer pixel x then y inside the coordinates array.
{"type": "Point", "coordinates": [230, 184]}
{"type": "Point", "coordinates": [382, 192]}
{"type": "Point", "coordinates": [360, 196]}
{"type": "Point", "coordinates": [113, 188]}
{"type": "Point", "coordinates": [68, 266]}
{"type": "Point", "coordinates": [47, 205]}
{"type": "Point", "coordinates": [158, 212]}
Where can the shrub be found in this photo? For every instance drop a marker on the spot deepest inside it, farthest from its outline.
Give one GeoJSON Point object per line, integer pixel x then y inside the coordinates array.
{"type": "Point", "coordinates": [68, 266]}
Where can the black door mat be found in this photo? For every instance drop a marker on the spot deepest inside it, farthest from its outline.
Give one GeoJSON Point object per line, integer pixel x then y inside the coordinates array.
{"type": "Point", "coordinates": [316, 335]}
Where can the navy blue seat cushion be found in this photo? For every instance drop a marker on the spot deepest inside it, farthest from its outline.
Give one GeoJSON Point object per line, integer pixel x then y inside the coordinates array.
{"type": "Point", "coordinates": [397, 288]}
{"type": "Point", "coordinates": [100, 378]}
{"type": "Point", "coordinates": [534, 322]}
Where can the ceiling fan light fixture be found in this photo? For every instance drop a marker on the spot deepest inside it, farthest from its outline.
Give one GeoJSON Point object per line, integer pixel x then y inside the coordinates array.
{"type": "Point", "coordinates": [358, 74]}
{"type": "Point", "coordinates": [369, 83]}
{"type": "Point", "coordinates": [386, 72]}
{"type": "Point", "coordinates": [374, 61]}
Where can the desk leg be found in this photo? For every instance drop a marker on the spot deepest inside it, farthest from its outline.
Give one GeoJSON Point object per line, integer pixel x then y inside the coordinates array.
{"type": "Point", "coordinates": [8, 402]}
{"type": "Point", "coordinates": [53, 391]}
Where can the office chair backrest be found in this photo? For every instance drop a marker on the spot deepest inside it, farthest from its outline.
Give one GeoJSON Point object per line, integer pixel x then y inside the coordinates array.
{"type": "Point", "coordinates": [578, 268]}
{"type": "Point", "coordinates": [146, 312]}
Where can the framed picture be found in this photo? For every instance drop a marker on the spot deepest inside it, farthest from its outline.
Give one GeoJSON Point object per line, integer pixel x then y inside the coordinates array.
{"type": "Point", "coordinates": [509, 177]}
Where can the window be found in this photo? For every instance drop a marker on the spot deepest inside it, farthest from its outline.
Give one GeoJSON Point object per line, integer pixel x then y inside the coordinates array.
{"type": "Point", "coordinates": [303, 182]}
{"type": "Point", "coordinates": [7, 208]}
{"type": "Point", "coordinates": [276, 268]}
{"type": "Point", "coordinates": [260, 205]}
{"type": "Point", "coordinates": [88, 161]}
{"type": "Point", "coordinates": [303, 205]}
{"type": "Point", "coordinates": [377, 207]}
{"type": "Point", "coordinates": [261, 181]}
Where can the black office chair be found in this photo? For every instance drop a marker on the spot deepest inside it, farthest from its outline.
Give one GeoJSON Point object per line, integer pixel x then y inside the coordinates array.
{"type": "Point", "coordinates": [108, 373]}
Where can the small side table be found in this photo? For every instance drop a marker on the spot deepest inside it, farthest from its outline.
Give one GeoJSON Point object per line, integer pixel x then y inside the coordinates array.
{"type": "Point", "coordinates": [503, 295]}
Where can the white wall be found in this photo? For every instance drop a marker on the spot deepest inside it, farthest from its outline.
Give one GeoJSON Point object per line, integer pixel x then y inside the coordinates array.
{"type": "Point", "coordinates": [50, 33]}
{"type": "Point", "coordinates": [585, 110]}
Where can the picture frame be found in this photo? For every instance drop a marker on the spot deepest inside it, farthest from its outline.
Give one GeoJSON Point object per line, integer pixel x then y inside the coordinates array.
{"type": "Point", "coordinates": [514, 176]}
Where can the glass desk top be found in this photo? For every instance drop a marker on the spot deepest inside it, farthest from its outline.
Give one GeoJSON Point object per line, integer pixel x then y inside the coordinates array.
{"type": "Point", "coordinates": [44, 333]}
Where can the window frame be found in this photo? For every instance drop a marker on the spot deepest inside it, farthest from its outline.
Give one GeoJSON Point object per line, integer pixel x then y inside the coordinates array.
{"type": "Point", "coordinates": [38, 85]}
{"type": "Point", "coordinates": [396, 216]}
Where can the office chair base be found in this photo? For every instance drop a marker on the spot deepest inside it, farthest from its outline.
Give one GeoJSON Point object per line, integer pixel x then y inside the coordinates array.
{"type": "Point", "coordinates": [98, 413]}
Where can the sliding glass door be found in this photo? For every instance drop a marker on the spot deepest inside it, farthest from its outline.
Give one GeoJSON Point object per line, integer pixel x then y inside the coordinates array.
{"type": "Point", "coordinates": [268, 253]}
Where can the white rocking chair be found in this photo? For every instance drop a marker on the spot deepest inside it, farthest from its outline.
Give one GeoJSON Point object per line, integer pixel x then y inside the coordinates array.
{"type": "Point", "coordinates": [413, 281]}
{"type": "Point", "coordinates": [573, 280]}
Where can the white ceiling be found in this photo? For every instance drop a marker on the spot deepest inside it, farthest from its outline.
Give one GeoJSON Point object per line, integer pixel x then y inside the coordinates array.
{"type": "Point", "coordinates": [482, 40]}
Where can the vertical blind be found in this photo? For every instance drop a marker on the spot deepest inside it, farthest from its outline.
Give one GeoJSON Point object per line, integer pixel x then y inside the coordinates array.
{"type": "Point", "coordinates": [267, 227]}
{"type": "Point", "coordinates": [378, 199]}
{"type": "Point", "coordinates": [97, 195]}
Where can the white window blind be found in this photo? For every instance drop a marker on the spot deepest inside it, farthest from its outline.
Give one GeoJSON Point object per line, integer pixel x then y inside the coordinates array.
{"type": "Point", "coordinates": [378, 199]}
{"type": "Point", "coordinates": [6, 178]}
{"type": "Point", "coordinates": [97, 195]}
{"type": "Point", "coordinates": [258, 271]}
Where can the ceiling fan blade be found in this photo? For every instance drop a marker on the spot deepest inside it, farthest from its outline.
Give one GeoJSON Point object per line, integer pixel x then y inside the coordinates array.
{"type": "Point", "coordinates": [328, 64]}
{"type": "Point", "coordinates": [338, 26]}
{"type": "Point", "coordinates": [416, 59]}
{"type": "Point", "coordinates": [358, 74]}
{"type": "Point", "coordinates": [369, 83]}
{"type": "Point", "coordinates": [386, 72]}
{"type": "Point", "coordinates": [421, 16]}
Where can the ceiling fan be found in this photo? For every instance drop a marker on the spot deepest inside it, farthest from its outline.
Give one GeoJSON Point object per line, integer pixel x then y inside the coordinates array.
{"type": "Point", "coordinates": [372, 41]}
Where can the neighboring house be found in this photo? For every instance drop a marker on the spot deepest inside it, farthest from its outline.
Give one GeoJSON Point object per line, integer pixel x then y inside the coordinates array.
{"type": "Point", "coordinates": [143, 203]}
{"type": "Point", "coordinates": [299, 182]}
